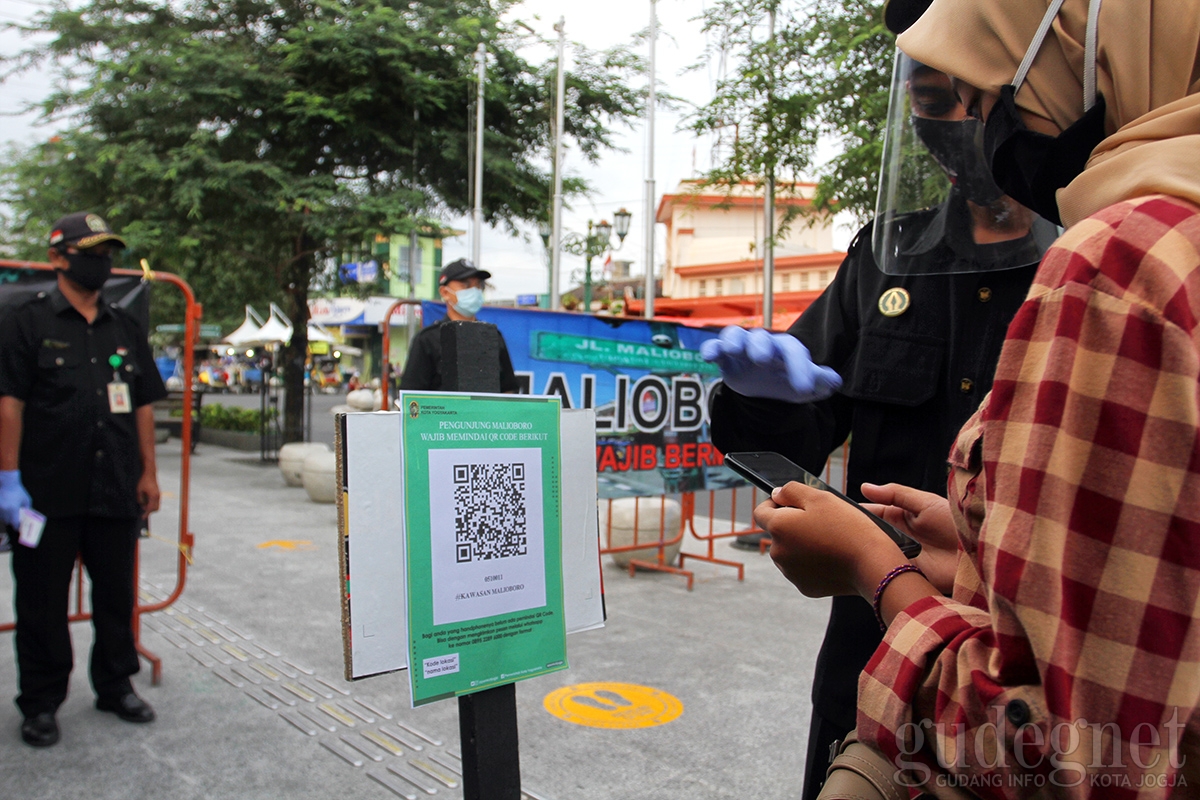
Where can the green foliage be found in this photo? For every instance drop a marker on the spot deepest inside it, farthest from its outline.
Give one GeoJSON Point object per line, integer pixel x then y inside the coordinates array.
{"type": "Point", "coordinates": [232, 418]}
{"type": "Point", "coordinates": [826, 73]}
{"type": "Point", "coordinates": [761, 112]}
{"type": "Point", "coordinates": [243, 143]}
{"type": "Point", "coordinates": [846, 54]}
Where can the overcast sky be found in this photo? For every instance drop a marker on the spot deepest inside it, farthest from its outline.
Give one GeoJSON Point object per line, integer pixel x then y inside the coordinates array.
{"type": "Point", "coordinates": [518, 263]}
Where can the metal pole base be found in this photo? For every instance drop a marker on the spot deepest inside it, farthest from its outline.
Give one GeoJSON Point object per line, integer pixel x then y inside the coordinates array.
{"type": "Point", "coordinates": [487, 725]}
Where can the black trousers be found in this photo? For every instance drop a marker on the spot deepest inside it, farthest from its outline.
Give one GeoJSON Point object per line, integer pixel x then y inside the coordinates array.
{"type": "Point", "coordinates": [42, 578]}
{"type": "Point", "coordinates": [851, 638]}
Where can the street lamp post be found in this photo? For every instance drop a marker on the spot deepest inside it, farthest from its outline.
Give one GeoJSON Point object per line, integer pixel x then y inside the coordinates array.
{"type": "Point", "coordinates": [596, 244]}
{"type": "Point", "coordinates": [545, 230]}
{"type": "Point", "coordinates": [598, 240]}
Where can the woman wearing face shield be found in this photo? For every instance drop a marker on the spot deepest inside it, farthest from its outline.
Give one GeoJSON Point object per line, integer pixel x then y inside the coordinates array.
{"type": "Point", "coordinates": [1064, 663]}
{"type": "Point", "coordinates": [911, 327]}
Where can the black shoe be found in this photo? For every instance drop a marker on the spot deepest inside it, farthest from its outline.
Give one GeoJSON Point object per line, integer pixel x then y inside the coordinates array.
{"type": "Point", "coordinates": [750, 541]}
{"type": "Point", "coordinates": [128, 707]}
{"type": "Point", "coordinates": [40, 730]}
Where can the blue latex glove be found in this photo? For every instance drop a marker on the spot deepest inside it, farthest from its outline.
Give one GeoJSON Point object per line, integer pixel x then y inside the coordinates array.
{"type": "Point", "coordinates": [13, 497]}
{"type": "Point", "coordinates": [773, 366]}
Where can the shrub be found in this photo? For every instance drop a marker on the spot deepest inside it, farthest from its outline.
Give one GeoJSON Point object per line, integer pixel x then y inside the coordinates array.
{"type": "Point", "coordinates": [231, 418]}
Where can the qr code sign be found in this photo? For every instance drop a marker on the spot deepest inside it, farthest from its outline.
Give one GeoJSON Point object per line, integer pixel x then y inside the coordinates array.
{"type": "Point", "coordinates": [489, 511]}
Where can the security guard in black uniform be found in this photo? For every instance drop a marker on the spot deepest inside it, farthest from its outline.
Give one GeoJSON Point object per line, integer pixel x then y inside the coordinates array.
{"type": "Point", "coordinates": [915, 351]}
{"type": "Point", "coordinates": [77, 446]}
{"type": "Point", "coordinates": [460, 286]}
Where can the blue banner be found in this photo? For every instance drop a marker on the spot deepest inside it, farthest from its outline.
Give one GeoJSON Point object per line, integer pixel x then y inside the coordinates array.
{"type": "Point", "coordinates": [646, 381]}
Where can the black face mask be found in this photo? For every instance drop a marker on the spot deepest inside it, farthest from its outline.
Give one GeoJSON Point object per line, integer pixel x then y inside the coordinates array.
{"type": "Point", "coordinates": [1029, 166]}
{"type": "Point", "coordinates": [955, 145]}
{"type": "Point", "coordinates": [88, 269]}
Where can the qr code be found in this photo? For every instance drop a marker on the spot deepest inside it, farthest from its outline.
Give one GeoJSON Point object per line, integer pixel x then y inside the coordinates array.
{"type": "Point", "coordinates": [489, 511]}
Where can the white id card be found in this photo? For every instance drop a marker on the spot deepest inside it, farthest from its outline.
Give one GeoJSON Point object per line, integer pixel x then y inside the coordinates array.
{"type": "Point", "coordinates": [30, 527]}
{"type": "Point", "coordinates": [118, 398]}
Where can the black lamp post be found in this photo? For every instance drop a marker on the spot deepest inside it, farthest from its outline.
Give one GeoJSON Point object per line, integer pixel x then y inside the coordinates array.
{"type": "Point", "coordinates": [599, 239]}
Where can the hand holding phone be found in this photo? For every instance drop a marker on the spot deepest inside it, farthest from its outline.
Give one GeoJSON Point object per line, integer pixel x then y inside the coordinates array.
{"type": "Point", "coordinates": [768, 471]}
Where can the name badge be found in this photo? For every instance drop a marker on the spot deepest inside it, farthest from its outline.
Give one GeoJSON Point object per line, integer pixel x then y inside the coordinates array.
{"type": "Point", "coordinates": [31, 525]}
{"type": "Point", "coordinates": [118, 397]}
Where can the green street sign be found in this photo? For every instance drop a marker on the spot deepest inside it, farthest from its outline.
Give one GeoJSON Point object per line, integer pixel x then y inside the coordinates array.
{"type": "Point", "coordinates": [206, 331]}
{"type": "Point", "coordinates": [551, 346]}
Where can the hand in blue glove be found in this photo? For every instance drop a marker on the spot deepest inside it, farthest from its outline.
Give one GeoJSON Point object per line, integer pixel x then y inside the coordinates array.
{"type": "Point", "coordinates": [13, 497]}
{"type": "Point", "coordinates": [773, 366]}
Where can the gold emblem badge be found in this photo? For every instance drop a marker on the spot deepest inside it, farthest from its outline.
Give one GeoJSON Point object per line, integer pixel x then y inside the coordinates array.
{"type": "Point", "coordinates": [96, 223]}
{"type": "Point", "coordinates": [894, 302]}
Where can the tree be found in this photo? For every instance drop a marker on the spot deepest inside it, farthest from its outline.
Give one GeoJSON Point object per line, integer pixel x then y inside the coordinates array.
{"type": "Point", "coordinates": [760, 113]}
{"type": "Point", "coordinates": [242, 142]}
{"type": "Point", "coordinates": [826, 72]}
{"type": "Point", "coordinates": [845, 54]}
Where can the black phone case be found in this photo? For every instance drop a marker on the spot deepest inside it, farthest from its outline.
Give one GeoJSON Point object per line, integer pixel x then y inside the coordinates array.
{"type": "Point", "coordinates": [737, 462]}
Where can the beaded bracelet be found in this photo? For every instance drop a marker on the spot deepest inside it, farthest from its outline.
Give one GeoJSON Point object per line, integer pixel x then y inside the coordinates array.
{"type": "Point", "coordinates": [877, 603]}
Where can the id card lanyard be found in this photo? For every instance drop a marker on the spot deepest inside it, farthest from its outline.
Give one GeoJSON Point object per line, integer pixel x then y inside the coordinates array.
{"type": "Point", "coordinates": [119, 401]}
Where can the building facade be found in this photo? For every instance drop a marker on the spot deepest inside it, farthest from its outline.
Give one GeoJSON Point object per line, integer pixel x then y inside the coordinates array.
{"type": "Point", "coordinates": [714, 269]}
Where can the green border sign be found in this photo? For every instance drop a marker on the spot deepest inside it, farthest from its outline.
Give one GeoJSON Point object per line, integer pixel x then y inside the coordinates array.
{"type": "Point", "coordinates": [484, 533]}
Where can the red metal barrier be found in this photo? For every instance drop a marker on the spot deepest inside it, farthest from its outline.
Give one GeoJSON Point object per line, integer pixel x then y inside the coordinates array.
{"type": "Point", "coordinates": [712, 535]}
{"type": "Point", "coordinates": [660, 543]}
{"type": "Point", "coordinates": [192, 315]}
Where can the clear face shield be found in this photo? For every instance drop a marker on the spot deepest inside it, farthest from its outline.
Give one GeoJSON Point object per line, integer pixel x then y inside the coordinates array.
{"type": "Point", "coordinates": [939, 211]}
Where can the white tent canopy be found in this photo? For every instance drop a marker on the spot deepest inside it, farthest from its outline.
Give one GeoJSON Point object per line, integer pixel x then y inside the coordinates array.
{"type": "Point", "coordinates": [247, 332]}
{"type": "Point", "coordinates": [253, 332]}
{"type": "Point", "coordinates": [277, 330]}
{"type": "Point", "coordinates": [318, 333]}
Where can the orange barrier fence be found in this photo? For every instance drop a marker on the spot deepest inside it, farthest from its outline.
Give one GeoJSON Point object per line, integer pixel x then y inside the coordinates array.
{"type": "Point", "coordinates": [712, 534]}
{"type": "Point", "coordinates": [662, 539]}
{"type": "Point", "coordinates": [192, 315]}
{"type": "Point", "coordinates": [659, 542]}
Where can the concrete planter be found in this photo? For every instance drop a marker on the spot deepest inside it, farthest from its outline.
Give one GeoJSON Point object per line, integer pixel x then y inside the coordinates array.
{"type": "Point", "coordinates": [236, 440]}
{"type": "Point", "coordinates": [652, 517]}
{"type": "Point", "coordinates": [320, 476]}
{"type": "Point", "coordinates": [291, 460]}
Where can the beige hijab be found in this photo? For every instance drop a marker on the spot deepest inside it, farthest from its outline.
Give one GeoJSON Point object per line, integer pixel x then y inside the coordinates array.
{"type": "Point", "coordinates": [1148, 69]}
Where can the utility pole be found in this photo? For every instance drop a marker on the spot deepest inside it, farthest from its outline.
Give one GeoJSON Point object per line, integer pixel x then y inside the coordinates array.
{"type": "Point", "coordinates": [556, 221]}
{"type": "Point", "coordinates": [414, 253]}
{"type": "Point", "coordinates": [477, 221]}
{"type": "Point", "coordinates": [650, 192]}
{"type": "Point", "coordinates": [768, 306]}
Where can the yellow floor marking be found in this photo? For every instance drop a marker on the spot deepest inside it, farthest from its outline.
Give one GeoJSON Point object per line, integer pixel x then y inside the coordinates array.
{"type": "Point", "coordinates": [289, 544]}
{"type": "Point", "coordinates": [336, 713]}
{"type": "Point", "coordinates": [267, 671]}
{"type": "Point", "coordinates": [302, 694]}
{"type": "Point", "coordinates": [235, 652]}
{"type": "Point", "coordinates": [382, 742]}
{"type": "Point", "coordinates": [613, 705]}
{"type": "Point", "coordinates": [435, 773]}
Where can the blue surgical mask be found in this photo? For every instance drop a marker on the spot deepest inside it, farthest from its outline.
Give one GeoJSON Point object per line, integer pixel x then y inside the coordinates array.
{"type": "Point", "coordinates": [468, 301]}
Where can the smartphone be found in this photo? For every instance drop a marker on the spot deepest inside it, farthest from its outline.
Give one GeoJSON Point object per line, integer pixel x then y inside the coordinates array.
{"type": "Point", "coordinates": [768, 470]}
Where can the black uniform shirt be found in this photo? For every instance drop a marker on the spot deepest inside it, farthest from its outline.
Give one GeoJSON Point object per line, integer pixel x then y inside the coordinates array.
{"type": "Point", "coordinates": [422, 371]}
{"type": "Point", "coordinates": [909, 383]}
{"type": "Point", "coordinates": [77, 457]}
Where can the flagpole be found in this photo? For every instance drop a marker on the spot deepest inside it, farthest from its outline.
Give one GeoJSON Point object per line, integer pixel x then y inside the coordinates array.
{"type": "Point", "coordinates": [650, 192]}
{"type": "Point", "coordinates": [556, 221]}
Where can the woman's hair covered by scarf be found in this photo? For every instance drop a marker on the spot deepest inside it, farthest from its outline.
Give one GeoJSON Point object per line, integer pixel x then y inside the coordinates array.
{"type": "Point", "coordinates": [1148, 70]}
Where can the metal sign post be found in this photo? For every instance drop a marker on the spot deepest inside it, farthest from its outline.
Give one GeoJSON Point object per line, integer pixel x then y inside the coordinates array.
{"type": "Point", "coordinates": [487, 720]}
